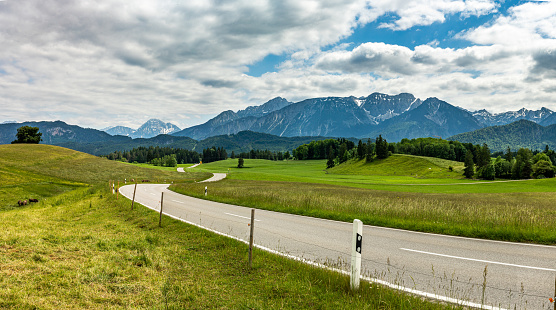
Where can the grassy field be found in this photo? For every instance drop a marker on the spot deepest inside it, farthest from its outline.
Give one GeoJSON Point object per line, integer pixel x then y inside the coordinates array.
{"type": "Point", "coordinates": [511, 211]}
{"type": "Point", "coordinates": [80, 248]}
{"type": "Point", "coordinates": [399, 173]}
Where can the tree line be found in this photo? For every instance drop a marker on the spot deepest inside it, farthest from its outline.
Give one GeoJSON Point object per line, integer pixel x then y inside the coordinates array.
{"type": "Point", "coordinates": [523, 164]}
{"type": "Point", "coordinates": [261, 154]}
{"type": "Point", "coordinates": [168, 156]}
{"type": "Point", "coordinates": [148, 154]}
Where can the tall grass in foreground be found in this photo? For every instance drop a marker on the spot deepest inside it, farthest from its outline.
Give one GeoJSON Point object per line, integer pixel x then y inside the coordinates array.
{"type": "Point", "coordinates": [524, 217]}
{"type": "Point", "coordinates": [85, 250]}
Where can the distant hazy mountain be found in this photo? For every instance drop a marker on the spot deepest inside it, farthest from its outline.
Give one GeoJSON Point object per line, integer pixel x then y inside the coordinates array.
{"type": "Point", "coordinates": [153, 128]}
{"type": "Point", "coordinates": [119, 130]}
{"type": "Point", "coordinates": [489, 119]}
{"type": "Point", "coordinates": [433, 118]}
{"type": "Point", "coordinates": [522, 133]}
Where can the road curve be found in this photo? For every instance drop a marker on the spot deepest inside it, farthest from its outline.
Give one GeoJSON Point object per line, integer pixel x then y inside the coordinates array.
{"type": "Point", "coordinates": [215, 178]}
{"type": "Point", "coordinates": [446, 267]}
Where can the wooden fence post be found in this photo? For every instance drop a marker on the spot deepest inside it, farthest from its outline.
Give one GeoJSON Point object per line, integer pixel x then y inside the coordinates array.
{"type": "Point", "coordinates": [251, 238]}
{"type": "Point", "coordinates": [133, 201]}
{"type": "Point", "coordinates": [161, 203]}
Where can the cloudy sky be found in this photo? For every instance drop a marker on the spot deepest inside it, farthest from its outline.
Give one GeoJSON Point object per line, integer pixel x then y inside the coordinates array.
{"type": "Point", "coordinates": [119, 62]}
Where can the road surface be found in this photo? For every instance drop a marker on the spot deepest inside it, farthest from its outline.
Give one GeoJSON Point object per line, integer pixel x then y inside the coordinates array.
{"type": "Point", "coordinates": [520, 275]}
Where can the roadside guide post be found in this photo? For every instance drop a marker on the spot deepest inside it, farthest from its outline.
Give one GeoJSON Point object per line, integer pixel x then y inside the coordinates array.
{"type": "Point", "coordinates": [134, 190]}
{"type": "Point", "coordinates": [161, 203]}
{"type": "Point", "coordinates": [206, 190]}
{"type": "Point", "coordinates": [356, 246]}
{"type": "Point", "coordinates": [251, 238]}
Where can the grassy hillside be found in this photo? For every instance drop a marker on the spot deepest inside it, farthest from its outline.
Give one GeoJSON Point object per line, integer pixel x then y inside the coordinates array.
{"type": "Point", "coordinates": [42, 171]}
{"type": "Point", "coordinates": [403, 165]}
{"type": "Point", "coordinates": [82, 249]}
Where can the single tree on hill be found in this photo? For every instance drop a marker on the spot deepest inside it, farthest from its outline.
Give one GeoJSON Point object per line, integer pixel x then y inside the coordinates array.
{"type": "Point", "coordinates": [469, 169]}
{"type": "Point", "coordinates": [330, 163]}
{"type": "Point", "coordinates": [361, 150]}
{"type": "Point", "coordinates": [28, 134]}
{"type": "Point", "coordinates": [381, 147]}
{"type": "Point", "coordinates": [240, 162]}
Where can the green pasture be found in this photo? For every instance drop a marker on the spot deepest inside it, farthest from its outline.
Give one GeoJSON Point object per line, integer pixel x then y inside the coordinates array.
{"type": "Point", "coordinates": [398, 173]}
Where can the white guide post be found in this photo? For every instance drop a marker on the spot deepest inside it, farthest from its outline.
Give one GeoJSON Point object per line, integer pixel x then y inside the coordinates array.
{"type": "Point", "coordinates": [356, 254]}
{"type": "Point", "coordinates": [206, 188]}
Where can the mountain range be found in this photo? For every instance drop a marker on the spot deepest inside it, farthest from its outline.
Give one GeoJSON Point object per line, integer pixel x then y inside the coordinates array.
{"type": "Point", "coordinates": [393, 116]}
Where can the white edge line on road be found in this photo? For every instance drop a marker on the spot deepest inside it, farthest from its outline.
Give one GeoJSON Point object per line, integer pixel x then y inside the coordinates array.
{"type": "Point", "coordinates": [478, 260]}
{"type": "Point", "coordinates": [368, 279]}
{"type": "Point", "coordinates": [243, 217]}
{"type": "Point", "coordinates": [177, 201]}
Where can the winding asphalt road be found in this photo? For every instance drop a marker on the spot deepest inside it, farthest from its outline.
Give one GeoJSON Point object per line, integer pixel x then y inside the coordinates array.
{"type": "Point", "coordinates": [443, 267]}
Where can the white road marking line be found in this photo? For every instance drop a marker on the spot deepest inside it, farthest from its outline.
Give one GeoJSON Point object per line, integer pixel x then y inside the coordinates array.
{"type": "Point", "coordinates": [177, 201]}
{"type": "Point", "coordinates": [243, 217]}
{"type": "Point", "coordinates": [153, 194]}
{"type": "Point", "coordinates": [479, 260]}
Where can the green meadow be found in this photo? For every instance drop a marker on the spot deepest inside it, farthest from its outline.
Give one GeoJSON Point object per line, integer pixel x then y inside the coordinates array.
{"type": "Point", "coordinates": [407, 192]}
{"type": "Point", "coordinates": [81, 247]}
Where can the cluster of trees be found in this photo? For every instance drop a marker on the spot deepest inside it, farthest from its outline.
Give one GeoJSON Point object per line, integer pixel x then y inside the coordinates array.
{"type": "Point", "coordinates": [433, 147]}
{"type": "Point", "coordinates": [523, 164]}
{"type": "Point", "coordinates": [166, 161]}
{"type": "Point", "coordinates": [338, 151]}
{"type": "Point", "coordinates": [260, 154]}
{"type": "Point", "coordinates": [148, 154]}
{"type": "Point", "coordinates": [214, 154]}
{"type": "Point", "coordinates": [321, 149]}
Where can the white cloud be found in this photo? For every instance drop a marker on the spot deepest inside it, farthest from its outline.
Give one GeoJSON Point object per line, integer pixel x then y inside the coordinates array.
{"type": "Point", "coordinates": [111, 62]}
{"type": "Point", "coordinates": [120, 58]}
{"type": "Point", "coordinates": [426, 12]}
